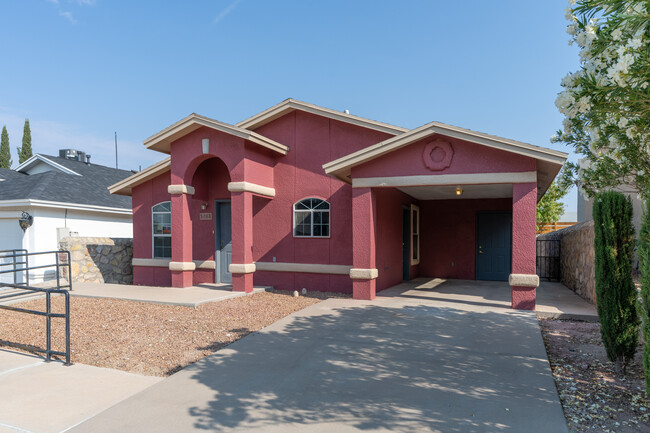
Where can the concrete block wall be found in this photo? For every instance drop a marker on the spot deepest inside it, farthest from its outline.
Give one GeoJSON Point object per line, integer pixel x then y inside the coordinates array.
{"type": "Point", "coordinates": [100, 260]}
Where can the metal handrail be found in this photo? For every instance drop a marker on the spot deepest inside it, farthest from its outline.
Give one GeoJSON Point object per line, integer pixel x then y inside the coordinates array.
{"type": "Point", "coordinates": [18, 254]}
{"type": "Point", "coordinates": [21, 254]}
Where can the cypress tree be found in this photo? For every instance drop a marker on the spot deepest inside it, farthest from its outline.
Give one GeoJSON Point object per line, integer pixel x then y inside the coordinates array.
{"type": "Point", "coordinates": [644, 306]}
{"type": "Point", "coordinates": [5, 150]}
{"type": "Point", "coordinates": [25, 152]}
{"type": "Point", "coordinates": [615, 292]}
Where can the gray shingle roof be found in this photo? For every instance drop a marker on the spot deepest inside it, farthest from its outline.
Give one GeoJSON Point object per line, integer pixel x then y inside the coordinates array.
{"type": "Point", "coordinates": [90, 188]}
{"type": "Point", "coordinates": [7, 173]}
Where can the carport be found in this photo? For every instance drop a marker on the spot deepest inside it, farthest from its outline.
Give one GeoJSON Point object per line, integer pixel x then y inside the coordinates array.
{"type": "Point", "coordinates": [446, 202]}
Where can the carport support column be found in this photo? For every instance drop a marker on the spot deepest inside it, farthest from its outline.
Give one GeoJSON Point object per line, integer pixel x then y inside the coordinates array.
{"type": "Point", "coordinates": [242, 242]}
{"type": "Point", "coordinates": [524, 279]}
{"type": "Point", "coordinates": [181, 266]}
{"type": "Point", "coordinates": [364, 273]}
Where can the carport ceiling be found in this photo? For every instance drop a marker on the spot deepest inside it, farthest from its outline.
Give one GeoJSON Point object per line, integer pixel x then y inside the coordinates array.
{"type": "Point", "coordinates": [501, 190]}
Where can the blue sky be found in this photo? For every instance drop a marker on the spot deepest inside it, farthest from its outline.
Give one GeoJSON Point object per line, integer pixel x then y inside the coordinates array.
{"type": "Point", "coordinates": [82, 69]}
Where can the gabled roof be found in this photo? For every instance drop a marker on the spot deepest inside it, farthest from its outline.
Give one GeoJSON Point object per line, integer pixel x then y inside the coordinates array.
{"type": "Point", "coordinates": [43, 159]}
{"type": "Point", "coordinates": [125, 187]}
{"type": "Point", "coordinates": [55, 186]}
{"type": "Point", "coordinates": [549, 161]}
{"type": "Point", "coordinates": [162, 140]}
{"type": "Point", "coordinates": [290, 105]}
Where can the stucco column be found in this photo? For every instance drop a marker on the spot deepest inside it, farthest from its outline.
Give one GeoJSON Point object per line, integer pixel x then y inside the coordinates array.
{"type": "Point", "coordinates": [181, 266]}
{"type": "Point", "coordinates": [242, 266]}
{"type": "Point", "coordinates": [524, 279]}
{"type": "Point", "coordinates": [364, 271]}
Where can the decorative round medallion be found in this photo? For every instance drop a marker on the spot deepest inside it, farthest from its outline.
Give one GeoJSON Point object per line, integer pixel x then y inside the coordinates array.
{"type": "Point", "coordinates": [437, 155]}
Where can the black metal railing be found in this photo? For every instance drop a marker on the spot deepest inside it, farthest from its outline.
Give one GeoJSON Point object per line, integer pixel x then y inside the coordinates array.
{"type": "Point", "coordinates": [548, 259]}
{"type": "Point", "coordinates": [19, 261]}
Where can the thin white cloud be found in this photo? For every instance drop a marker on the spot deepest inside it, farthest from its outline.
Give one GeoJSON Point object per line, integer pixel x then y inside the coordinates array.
{"type": "Point", "coordinates": [56, 2]}
{"type": "Point", "coordinates": [226, 11]}
{"type": "Point", "coordinates": [68, 15]}
{"type": "Point", "coordinates": [86, 2]}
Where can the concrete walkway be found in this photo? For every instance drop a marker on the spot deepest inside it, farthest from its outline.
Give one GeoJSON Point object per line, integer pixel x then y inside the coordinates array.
{"type": "Point", "coordinates": [554, 300]}
{"type": "Point", "coordinates": [187, 297]}
{"type": "Point", "coordinates": [42, 397]}
{"type": "Point", "coordinates": [406, 362]}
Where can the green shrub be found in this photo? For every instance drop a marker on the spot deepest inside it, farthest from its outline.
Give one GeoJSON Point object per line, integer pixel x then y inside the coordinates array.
{"type": "Point", "coordinates": [644, 305]}
{"type": "Point", "coordinates": [615, 292]}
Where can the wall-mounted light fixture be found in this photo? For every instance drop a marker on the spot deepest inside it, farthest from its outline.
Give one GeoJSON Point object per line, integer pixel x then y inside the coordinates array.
{"type": "Point", "coordinates": [204, 206]}
{"type": "Point", "coordinates": [459, 190]}
{"type": "Point", "coordinates": [25, 221]}
{"type": "Point", "coordinates": [205, 145]}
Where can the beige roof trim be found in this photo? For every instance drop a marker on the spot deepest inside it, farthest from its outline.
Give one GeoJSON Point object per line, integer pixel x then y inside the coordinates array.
{"type": "Point", "coordinates": [125, 187]}
{"type": "Point", "coordinates": [341, 167]}
{"type": "Point", "coordinates": [162, 140]}
{"type": "Point", "coordinates": [289, 105]}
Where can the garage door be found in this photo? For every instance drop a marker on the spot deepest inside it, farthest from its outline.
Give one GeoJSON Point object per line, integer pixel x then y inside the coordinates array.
{"type": "Point", "coordinates": [11, 237]}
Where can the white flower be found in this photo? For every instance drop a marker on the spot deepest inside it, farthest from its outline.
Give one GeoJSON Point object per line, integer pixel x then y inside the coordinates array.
{"type": "Point", "coordinates": [635, 43]}
{"type": "Point", "coordinates": [644, 85]}
{"type": "Point", "coordinates": [568, 13]}
{"type": "Point", "coordinates": [622, 123]}
{"type": "Point", "coordinates": [616, 34]}
{"type": "Point", "coordinates": [553, 138]}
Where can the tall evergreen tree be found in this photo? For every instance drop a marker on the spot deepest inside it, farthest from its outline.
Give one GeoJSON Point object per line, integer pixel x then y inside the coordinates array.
{"type": "Point", "coordinates": [615, 291]}
{"type": "Point", "coordinates": [25, 152]}
{"type": "Point", "coordinates": [5, 150]}
{"type": "Point", "coordinates": [644, 305]}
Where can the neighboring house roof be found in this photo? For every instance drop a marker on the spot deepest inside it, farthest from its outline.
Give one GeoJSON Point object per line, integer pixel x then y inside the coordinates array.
{"type": "Point", "coordinates": [289, 105]}
{"type": "Point", "coordinates": [7, 173]}
{"type": "Point", "coordinates": [87, 187]}
{"type": "Point", "coordinates": [549, 162]}
{"type": "Point", "coordinates": [125, 187]}
{"type": "Point", "coordinates": [38, 159]}
{"type": "Point", "coordinates": [162, 140]}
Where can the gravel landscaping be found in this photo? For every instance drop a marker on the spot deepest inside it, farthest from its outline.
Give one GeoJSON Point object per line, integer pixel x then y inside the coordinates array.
{"type": "Point", "coordinates": [593, 396]}
{"type": "Point", "coordinates": [146, 338]}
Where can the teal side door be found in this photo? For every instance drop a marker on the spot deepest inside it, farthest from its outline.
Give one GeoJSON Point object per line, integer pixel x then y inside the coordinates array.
{"type": "Point", "coordinates": [493, 245]}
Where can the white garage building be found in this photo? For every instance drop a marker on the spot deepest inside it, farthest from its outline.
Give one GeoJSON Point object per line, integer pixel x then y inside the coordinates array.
{"type": "Point", "coordinates": [65, 195]}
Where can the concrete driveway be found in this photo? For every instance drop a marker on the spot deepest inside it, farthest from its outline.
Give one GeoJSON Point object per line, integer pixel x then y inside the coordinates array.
{"type": "Point", "coordinates": [403, 363]}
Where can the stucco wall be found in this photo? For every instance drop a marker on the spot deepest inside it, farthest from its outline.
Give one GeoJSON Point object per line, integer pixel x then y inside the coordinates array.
{"type": "Point", "coordinates": [577, 258]}
{"type": "Point", "coordinates": [100, 260]}
{"type": "Point", "coordinates": [449, 236]}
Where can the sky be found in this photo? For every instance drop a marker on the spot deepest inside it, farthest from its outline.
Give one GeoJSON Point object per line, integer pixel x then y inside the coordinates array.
{"type": "Point", "coordinates": [81, 70]}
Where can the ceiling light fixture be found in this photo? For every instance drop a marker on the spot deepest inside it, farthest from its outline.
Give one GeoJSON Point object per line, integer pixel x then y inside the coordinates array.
{"type": "Point", "coordinates": [459, 190]}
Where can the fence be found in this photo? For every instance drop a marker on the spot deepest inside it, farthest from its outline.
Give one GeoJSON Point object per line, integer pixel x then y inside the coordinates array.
{"type": "Point", "coordinates": [18, 262]}
{"type": "Point", "coordinates": [547, 228]}
{"type": "Point", "coordinates": [548, 259]}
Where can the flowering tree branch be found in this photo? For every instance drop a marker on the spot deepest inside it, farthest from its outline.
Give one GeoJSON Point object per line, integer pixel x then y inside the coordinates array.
{"type": "Point", "coordinates": [606, 103]}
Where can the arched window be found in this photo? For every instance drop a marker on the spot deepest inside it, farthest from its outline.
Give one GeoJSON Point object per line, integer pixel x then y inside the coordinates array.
{"type": "Point", "coordinates": [311, 218]}
{"type": "Point", "coordinates": [161, 215]}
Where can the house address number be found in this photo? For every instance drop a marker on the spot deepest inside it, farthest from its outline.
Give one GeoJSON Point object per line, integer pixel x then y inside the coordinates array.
{"type": "Point", "coordinates": [203, 216]}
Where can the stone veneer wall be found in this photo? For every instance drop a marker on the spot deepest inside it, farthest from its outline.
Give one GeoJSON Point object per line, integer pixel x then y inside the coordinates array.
{"type": "Point", "coordinates": [578, 270]}
{"type": "Point", "coordinates": [100, 260]}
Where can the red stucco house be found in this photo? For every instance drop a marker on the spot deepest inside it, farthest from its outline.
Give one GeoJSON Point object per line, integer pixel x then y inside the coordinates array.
{"type": "Point", "coordinates": [301, 196]}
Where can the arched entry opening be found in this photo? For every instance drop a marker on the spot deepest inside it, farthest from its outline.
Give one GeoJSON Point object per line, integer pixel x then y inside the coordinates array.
{"type": "Point", "coordinates": [211, 222]}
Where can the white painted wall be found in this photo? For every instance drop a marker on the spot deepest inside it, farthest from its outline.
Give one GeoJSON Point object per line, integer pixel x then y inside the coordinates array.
{"type": "Point", "coordinates": [42, 235]}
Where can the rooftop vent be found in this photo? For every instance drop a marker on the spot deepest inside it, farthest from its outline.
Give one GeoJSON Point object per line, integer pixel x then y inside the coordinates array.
{"type": "Point", "coordinates": [72, 154]}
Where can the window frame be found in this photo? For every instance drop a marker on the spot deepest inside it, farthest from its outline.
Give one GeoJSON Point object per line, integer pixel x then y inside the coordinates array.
{"type": "Point", "coordinates": [415, 236]}
{"type": "Point", "coordinates": [161, 235]}
{"type": "Point", "coordinates": [311, 212]}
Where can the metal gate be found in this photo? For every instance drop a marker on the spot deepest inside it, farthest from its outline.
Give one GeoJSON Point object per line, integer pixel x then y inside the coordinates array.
{"type": "Point", "coordinates": [548, 259]}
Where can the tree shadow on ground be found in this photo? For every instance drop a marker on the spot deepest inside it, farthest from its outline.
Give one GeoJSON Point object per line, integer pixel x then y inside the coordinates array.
{"type": "Point", "coordinates": [408, 368]}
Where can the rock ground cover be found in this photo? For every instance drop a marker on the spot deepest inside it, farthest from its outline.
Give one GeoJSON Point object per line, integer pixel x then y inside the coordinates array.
{"type": "Point", "coordinates": [593, 396]}
{"type": "Point", "coordinates": [147, 338]}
